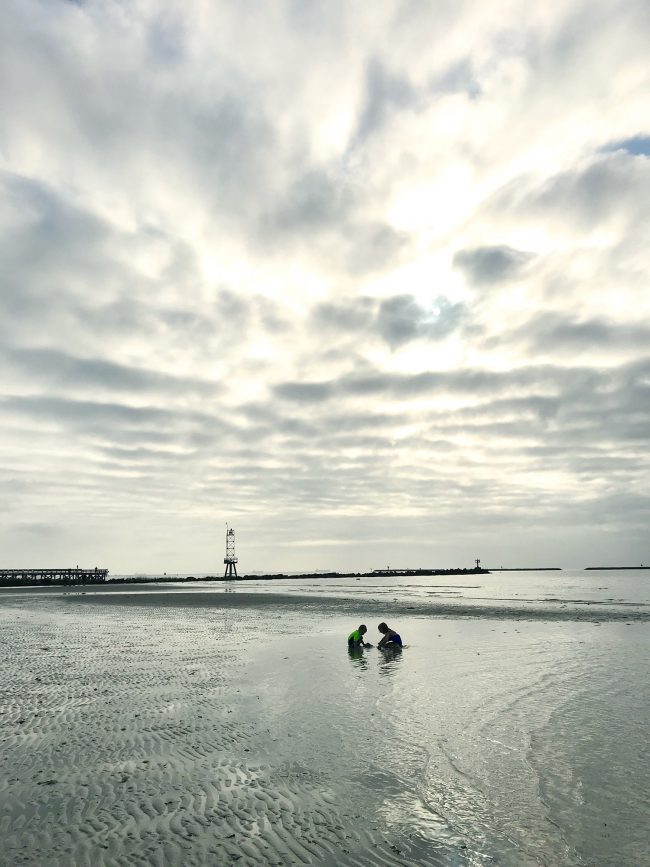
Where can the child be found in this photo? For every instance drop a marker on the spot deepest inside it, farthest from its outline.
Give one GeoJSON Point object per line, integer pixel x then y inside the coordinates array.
{"type": "Point", "coordinates": [355, 639]}
{"type": "Point", "coordinates": [390, 639]}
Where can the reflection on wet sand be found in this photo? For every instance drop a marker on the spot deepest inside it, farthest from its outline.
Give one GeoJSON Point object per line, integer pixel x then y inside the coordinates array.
{"type": "Point", "coordinates": [389, 660]}
{"type": "Point", "coordinates": [357, 657]}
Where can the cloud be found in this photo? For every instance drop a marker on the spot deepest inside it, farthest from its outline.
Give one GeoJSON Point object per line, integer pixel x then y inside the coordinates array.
{"type": "Point", "coordinates": [401, 319]}
{"type": "Point", "coordinates": [328, 271]}
{"type": "Point", "coordinates": [90, 414]}
{"type": "Point", "coordinates": [462, 381]}
{"type": "Point", "coordinates": [555, 332]}
{"type": "Point", "coordinates": [304, 392]}
{"type": "Point", "coordinates": [603, 187]}
{"type": "Point", "coordinates": [487, 265]}
{"type": "Point", "coordinates": [58, 368]}
{"type": "Point", "coordinates": [384, 92]}
{"type": "Point", "coordinates": [459, 77]}
{"type": "Point", "coordinates": [324, 216]}
{"type": "Point", "coordinates": [353, 315]}
{"type": "Point", "coordinates": [314, 201]}
{"type": "Point", "coordinates": [397, 320]}
{"type": "Point", "coordinates": [36, 529]}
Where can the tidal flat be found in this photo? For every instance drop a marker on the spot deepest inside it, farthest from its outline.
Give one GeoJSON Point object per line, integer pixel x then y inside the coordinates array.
{"type": "Point", "coordinates": [167, 727]}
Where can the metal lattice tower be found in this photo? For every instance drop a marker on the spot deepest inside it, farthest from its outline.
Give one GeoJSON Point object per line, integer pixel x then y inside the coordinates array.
{"type": "Point", "coordinates": [230, 560]}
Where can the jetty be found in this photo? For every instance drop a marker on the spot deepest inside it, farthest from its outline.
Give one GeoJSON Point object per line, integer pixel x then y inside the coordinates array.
{"type": "Point", "coordinates": [526, 569]}
{"type": "Point", "coordinates": [405, 573]}
{"type": "Point", "coordinates": [37, 577]}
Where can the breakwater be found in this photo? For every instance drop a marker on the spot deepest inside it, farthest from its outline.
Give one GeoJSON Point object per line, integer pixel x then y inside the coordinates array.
{"type": "Point", "coordinates": [283, 576]}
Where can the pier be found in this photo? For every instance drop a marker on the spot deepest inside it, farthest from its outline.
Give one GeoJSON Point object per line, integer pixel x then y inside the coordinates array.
{"type": "Point", "coordinates": [36, 577]}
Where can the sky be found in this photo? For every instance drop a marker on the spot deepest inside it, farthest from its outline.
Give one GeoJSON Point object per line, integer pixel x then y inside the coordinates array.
{"type": "Point", "coordinates": [366, 281]}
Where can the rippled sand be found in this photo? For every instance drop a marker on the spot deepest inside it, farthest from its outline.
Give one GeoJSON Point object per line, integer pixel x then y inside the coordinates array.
{"type": "Point", "coordinates": [166, 730]}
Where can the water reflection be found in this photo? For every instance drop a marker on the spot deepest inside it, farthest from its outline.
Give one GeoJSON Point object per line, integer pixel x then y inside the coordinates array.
{"type": "Point", "coordinates": [357, 657]}
{"type": "Point", "coordinates": [389, 660]}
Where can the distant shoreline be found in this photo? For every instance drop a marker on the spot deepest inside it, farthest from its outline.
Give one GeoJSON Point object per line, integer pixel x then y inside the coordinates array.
{"type": "Point", "coordinates": [283, 576]}
{"type": "Point", "coordinates": [278, 576]}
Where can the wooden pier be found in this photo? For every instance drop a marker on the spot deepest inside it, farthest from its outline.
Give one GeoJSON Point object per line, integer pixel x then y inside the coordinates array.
{"type": "Point", "coordinates": [36, 577]}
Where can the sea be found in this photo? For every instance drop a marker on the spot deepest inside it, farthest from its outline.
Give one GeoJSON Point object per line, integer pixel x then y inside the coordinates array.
{"type": "Point", "coordinates": [541, 594]}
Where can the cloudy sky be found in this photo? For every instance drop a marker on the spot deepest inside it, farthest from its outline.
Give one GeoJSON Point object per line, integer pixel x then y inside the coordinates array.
{"type": "Point", "coordinates": [368, 280]}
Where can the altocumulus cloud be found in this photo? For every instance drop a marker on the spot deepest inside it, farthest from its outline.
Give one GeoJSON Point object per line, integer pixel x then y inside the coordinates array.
{"type": "Point", "coordinates": [368, 274]}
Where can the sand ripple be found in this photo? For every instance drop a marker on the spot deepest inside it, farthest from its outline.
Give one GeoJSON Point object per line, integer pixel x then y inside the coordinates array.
{"type": "Point", "coordinates": [125, 740]}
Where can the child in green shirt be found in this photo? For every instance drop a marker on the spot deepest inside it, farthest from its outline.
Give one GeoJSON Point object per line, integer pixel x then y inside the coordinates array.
{"type": "Point", "coordinates": [355, 638]}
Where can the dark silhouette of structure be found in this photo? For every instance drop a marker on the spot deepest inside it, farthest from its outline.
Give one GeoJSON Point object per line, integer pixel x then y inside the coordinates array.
{"type": "Point", "coordinates": [16, 577]}
{"type": "Point", "coordinates": [230, 560]}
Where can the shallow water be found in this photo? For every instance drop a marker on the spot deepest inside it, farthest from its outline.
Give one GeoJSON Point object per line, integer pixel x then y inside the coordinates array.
{"type": "Point", "coordinates": [620, 585]}
{"type": "Point", "coordinates": [163, 729]}
{"type": "Point", "coordinates": [480, 743]}
{"type": "Point", "coordinates": [620, 593]}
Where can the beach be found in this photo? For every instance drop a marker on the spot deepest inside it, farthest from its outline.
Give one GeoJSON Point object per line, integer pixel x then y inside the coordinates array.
{"type": "Point", "coordinates": [171, 726]}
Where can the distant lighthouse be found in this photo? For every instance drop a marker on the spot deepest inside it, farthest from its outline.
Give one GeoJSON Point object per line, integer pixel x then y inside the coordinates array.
{"type": "Point", "coordinates": [230, 560]}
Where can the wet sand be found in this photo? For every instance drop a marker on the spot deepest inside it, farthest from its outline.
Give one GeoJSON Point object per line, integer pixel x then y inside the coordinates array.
{"type": "Point", "coordinates": [177, 729]}
{"type": "Point", "coordinates": [439, 603]}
